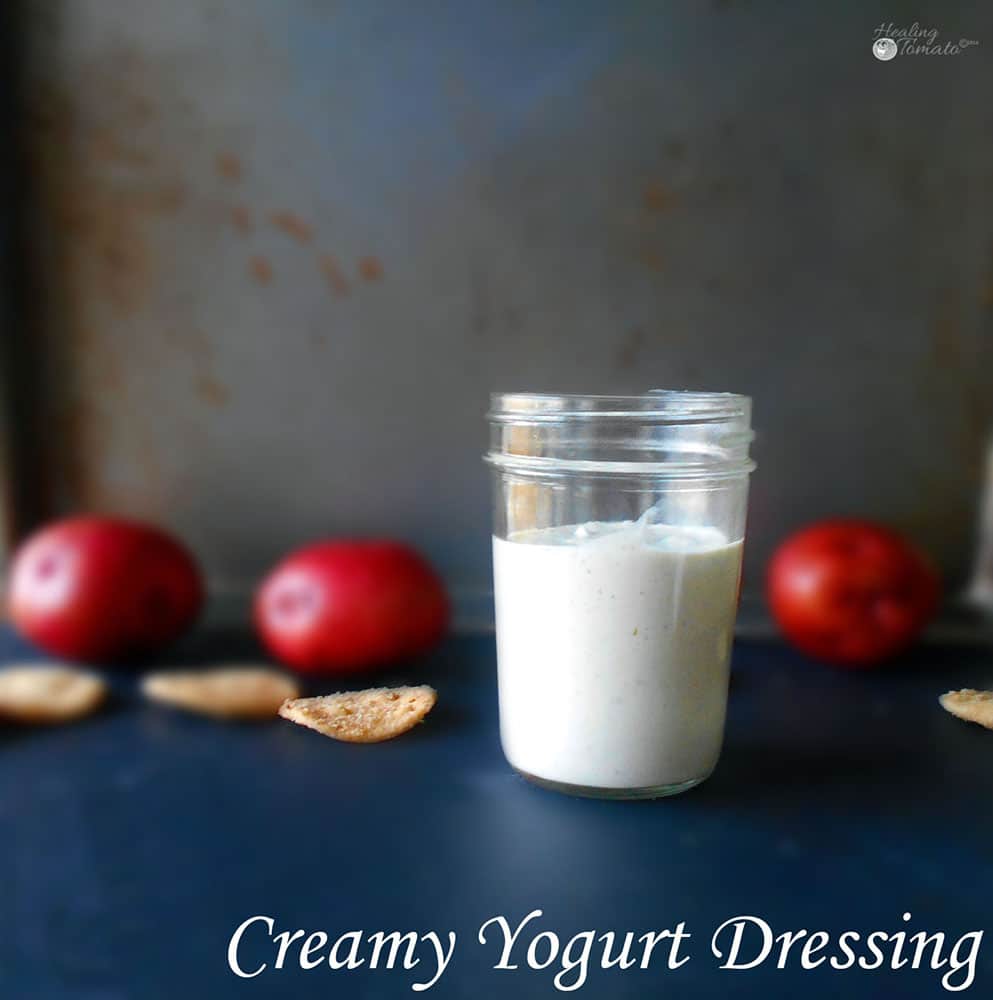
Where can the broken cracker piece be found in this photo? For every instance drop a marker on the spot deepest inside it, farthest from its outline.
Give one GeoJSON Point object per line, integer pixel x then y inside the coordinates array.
{"type": "Point", "coordinates": [973, 706]}
{"type": "Point", "coordinates": [223, 692]}
{"type": "Point", "coordinates": [363, 716]}
{"type": "Point", "coordinates": [48, 693]}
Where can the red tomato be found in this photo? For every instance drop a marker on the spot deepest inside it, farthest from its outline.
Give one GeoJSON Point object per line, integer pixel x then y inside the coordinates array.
{"type": "Point", "coordinates": [851, 592]}
{"type": "Point", "coordinates": [101, 588]}
{"type": "Point", "coordinates": [347, 606]}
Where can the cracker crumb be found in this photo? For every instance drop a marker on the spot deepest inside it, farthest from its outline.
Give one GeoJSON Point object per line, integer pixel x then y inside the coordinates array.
{"type": "Point", "coordinates": [970, 705]}
{"type": "Point", "coordinates": [48, 693]}
{"type": "Point", "coordinates": [230, 692]}
{"type": "Point", "coordinates": [369, 716]}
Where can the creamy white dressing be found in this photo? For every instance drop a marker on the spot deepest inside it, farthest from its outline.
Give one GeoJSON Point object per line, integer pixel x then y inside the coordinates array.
{"type": "Point", "coordinates": [613, 644]}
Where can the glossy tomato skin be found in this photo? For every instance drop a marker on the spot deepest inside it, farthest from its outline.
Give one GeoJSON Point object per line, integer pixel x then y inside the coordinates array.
{"type": "Point", "coordinates": [346, 606]}
{"type": "Point", "coordinates": [102, 588]}
{"type": "Point", "coordinates": [852, 593]}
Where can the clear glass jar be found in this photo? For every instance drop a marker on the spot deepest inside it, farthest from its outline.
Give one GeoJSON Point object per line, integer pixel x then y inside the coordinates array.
{"type": "Point", "coordinates": [617, 541]}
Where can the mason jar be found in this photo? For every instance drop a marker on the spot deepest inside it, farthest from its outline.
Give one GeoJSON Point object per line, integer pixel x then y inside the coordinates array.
{"type": "Point", "coordinates": [617, 541]}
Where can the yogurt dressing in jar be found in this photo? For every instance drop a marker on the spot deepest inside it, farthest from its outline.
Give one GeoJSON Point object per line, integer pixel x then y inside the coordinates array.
{"type": "Point", "coordinates": [614, 632]}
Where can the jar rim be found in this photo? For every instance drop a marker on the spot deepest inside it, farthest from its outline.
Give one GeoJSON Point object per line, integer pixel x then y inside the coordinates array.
{"type": "Point", "coordinates": [664, 433]}
{"type": "Point", "coordinates": [662, 405]}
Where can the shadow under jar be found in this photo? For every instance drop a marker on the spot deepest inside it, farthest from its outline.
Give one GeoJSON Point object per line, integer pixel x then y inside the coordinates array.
{"type": "Point", "coordinates": [617, 543]}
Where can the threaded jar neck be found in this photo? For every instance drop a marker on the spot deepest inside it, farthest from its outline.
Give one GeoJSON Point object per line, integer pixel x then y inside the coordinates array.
{"type": "Point", "coordinates": [664, 433]}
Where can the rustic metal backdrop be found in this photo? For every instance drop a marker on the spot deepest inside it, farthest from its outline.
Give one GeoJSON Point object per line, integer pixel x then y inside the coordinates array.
{"type": "Point", "coordinates": [283, 250]}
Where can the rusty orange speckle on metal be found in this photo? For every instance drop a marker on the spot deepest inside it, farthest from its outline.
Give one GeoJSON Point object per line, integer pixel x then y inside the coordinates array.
{"type": "Point", "coordinates": [294, 227]}
{"type": "Point", "coordinates": [241, 219]}
{"type": "Point", "coordinates": [143, 108]}
{"type": "Point", "coordinates": [105, 144]}
{"type": "Point", "coordinates": [228, 166]}
{"type": "Point", "coordinates": [629, 350]}
{"type": "Point", "coordinates": [657, 197]}
{"type": "Point", "coordinates": [103, 181]}
{"type": "Point", "coordinates": [370, 268]}
{"type": "Point", "coordinates": [261, 270]}
{"type": "Point", "coordinates": [652, 259]}
{"type": "Point", "coordinates": [211, 390]}
{"type": "Point", "coordinates": [191, 341]}
{"type": "Point", "coordinates": [334, 275]}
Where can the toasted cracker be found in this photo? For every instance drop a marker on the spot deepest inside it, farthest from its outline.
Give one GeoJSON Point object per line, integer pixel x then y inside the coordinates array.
{"type": "Point", "coordinates": [223, 692]}
{"type": "Point", "coordinates": [48, 693]}
{"type": "Point", "coordinates": [973, 706]}
{"type": "Point", "coordinates": [363, 716]}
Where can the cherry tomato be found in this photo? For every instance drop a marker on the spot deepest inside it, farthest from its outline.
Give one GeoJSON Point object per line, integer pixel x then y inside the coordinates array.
{"type": "Point", "coordinates": [346, 606]}
{"type": "Point", "coordinates": [851, 592]}
{"type": "Point", "coordinates": [102, 588]}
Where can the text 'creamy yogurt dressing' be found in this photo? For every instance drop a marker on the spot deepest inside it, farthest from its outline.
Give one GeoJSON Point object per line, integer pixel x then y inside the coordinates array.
{"type": "Point", "coordinates": [613, 644]}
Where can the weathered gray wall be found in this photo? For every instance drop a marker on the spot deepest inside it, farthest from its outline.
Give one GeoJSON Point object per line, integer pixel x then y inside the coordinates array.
{"type": "Point", "coordinates": [287, 248]}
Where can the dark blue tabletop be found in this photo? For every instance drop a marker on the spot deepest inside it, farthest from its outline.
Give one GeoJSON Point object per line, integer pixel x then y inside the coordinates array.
{"type": "Point", "coordinates": [134, 843]}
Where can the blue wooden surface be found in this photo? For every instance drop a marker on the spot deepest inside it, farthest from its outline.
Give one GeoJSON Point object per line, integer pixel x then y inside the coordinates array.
{"type": "Point", "coordinates": [132, 844]}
